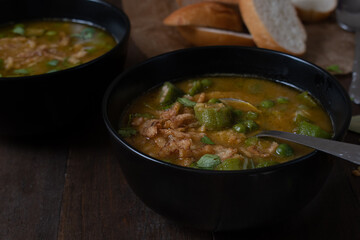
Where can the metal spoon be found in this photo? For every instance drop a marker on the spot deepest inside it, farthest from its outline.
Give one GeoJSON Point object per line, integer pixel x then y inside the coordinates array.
{"type": "Point", "coordinates": [347, 151]}
{"type": "Point", "coordinates": [348, 17]}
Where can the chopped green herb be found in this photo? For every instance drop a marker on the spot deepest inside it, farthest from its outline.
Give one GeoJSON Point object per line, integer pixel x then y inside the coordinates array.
{"type": "Point", "coordinates": [206, 82]}
{"type": "Point", "coordinates": [50, 33]}
{"type": "Point", "coordinates": [267, 104]}
{"type": "Point", "coordinates": [88, 33]}
{"type": "Point", "coordinates": [85, 34]}
{"type": "Point", "coordinates": [282, 100]}
{"type": "Point", "coordinates": [0, 75]}
{"type": "Point", "coordinates": [207, 140]}
{"type": "Point", "coordinates": [208, 161]}
{"type": "Point", "coordinates": [126, 132]}
{"type": "Point", "coordinates": [52, 70]}
{"type": "Point", "coordinates": [19, 29]}
{"type": "Point", "coordinates": [186, 102]}
{"type": "Point", "coordinates": [334, 68]}
{"type": "Point", "coordinates": [21, 71]}
{"type": "Point", "coordinates": [90, 49]}
{"type": "Point", "coordinates": [144, 115]}
{"type": "Point", "coordinates": [53, 62]}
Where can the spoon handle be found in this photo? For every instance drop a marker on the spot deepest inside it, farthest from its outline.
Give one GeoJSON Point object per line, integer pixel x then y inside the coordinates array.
{"type": "Point", "coordinates": [347, 151]}
{"type": "Point", "coordinates": [354, 89]}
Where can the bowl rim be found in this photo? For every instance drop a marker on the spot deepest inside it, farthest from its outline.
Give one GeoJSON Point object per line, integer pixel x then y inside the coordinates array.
{"type": "Point", "coordinates": [119, 43]}
{"type": "Point", "coordinates": [263, 170]}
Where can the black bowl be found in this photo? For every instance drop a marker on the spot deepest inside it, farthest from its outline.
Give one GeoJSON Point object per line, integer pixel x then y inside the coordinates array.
{"type": "Point", "coordinates": [64, 99]}
{"type": "Point", "coordinates": [225, 200]}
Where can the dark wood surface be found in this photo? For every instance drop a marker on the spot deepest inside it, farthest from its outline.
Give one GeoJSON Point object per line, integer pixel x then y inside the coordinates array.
{"type": "Point", "coordinates": [73, 188]}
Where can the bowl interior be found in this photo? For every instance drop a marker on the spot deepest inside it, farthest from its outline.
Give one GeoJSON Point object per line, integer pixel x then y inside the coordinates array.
{"type": "Point", "coordinates": [55, 101]}
{"type": "Point", "coordinates": [96, 12]}
{"type": "Point", "coordinates": [230, 60]}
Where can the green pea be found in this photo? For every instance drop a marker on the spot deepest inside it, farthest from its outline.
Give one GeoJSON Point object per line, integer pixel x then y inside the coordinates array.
{"type": "Point", "coordinates": [239, 127]}
{"type": "Point", "coordinates": [50, 33]}
{"type": "Point", "coordinates": [251, 125]}
{"type": "Point", "coordinates": [282, 100]}
{"type": "Point", "coordinates": [206, 82]}
{"type": "Point", "coordinates": [267, 104]}
{"type": "Point", "coordinates": [284, 150]}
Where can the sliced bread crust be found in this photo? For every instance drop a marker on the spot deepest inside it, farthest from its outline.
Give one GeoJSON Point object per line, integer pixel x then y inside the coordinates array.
{"type": "Point", "coordinates": [314, 11]}
{"type": "Point", "coordinates": [182, 3]}
{"type": "Point", "coordinates": [274, 25]}
{"type": "Point", "coordinates": [206, 14]}
{"type": "Point", "coordinates": [201, 36]}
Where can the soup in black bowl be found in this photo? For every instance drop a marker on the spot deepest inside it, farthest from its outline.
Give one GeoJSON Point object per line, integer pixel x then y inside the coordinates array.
{"type": "Point", "coordinates": [211, 122]}
{"type": "Point", "coordinates": [69, 53]}
{"type": "Point", "coordinates": [214, 199]}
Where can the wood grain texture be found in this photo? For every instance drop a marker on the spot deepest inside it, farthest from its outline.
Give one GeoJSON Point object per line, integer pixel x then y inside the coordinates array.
{"type": "Point", "coordinates": [31, 185]}
{"type": "Point", "coordinates": [97, 202]}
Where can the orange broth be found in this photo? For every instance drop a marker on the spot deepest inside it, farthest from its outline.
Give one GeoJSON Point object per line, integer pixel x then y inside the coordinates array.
{"type": "Point", "coordinates": [180, 134]}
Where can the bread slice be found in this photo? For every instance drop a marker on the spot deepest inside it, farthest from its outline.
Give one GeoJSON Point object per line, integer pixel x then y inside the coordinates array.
{"type": "Point", "coordinates": [201, 36]}
{"type": "Point", "coordinates": [206, 14]}
{"type": "Point", "coordinates": [182, 3]}
{"type": "Point", "coordinates": [274, 25]}
{"type": "Point", "coordinates": [314, 11]}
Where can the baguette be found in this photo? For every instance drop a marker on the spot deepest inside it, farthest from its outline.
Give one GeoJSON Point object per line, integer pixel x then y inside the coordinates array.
{"type": "Point", "coordinates": [206, 14]}
{"type": "Point", "coordinates": [201, 36]}
{"type": "Point", "coordinates": [274, 25]}
{"type": "Point", "coordinates": [314, 11]}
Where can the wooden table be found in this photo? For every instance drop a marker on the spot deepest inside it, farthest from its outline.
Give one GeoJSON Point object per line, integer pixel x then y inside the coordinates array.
{"type": "Point", "coordinates": [73, 188]}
